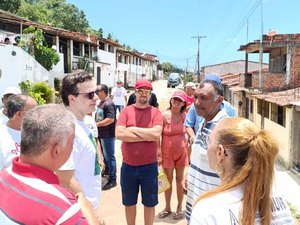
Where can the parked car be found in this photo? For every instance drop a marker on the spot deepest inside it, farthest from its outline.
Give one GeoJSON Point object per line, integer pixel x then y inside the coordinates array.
{"type": "Point", "coordinates": [173, 80]}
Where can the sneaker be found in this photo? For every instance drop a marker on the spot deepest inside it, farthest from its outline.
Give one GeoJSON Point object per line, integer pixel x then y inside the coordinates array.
{"type": "Point", "coordinates": [109, 185]}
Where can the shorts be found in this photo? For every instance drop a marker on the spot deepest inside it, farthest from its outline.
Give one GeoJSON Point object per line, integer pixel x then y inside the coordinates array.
{"type": "Point", "coordinates": [134, 177]}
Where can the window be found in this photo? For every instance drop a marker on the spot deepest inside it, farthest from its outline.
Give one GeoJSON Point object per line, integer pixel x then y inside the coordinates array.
{"type": "Point", "coordinates": [259, 107]}
{"type": "Point", "coordinates": [277, 61]}
{"type": "Point", "coordinates": [281, 116]}
{"type": "Point", "coordinates": [101, 45]}
{"type": "Point", "coordinates": [266, 109]}
{"type": "Point", "coordinates": [76, 48]}
{"type": "Point", "coordinates": [263, 108]}
{"type": "Point", "coordinates": [278, 114]}
{"type": "Point", "coordinates": [111, 48]}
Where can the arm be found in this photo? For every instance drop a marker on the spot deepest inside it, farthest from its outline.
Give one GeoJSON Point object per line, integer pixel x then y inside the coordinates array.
{"type": "Point", "coordinates": [147, 134]}
{"type": "Point", "coordinates": [99, 151]}
{"type": "Point", "coordinates": [67, 180]}
{"type": "Point", "coordinates": [109, 115]}
{"type": "Point", "coordinates": [136, 134]}
{"type": "Point", "coordinates": [191, 133]}
{"type": "Point", "coordinates": [105, 122]}
{"type": "Point", "coordinates": [87, 209]}
{"type": "Point", "coordinates": [158, 153]}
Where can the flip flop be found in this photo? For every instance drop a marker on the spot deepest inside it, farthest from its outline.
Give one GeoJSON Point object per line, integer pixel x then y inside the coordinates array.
{"type": "Point", "coordinates": [178, 215]}
{"type": "Point", "coordinates": [164, 214]}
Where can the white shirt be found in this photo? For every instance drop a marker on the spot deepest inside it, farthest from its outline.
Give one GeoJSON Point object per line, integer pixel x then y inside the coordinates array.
{"type": "Point", "coordinates": [3, 118]}
{"type": "Point", "coordinates": [119, 94]}
{"type": "Point", "coordinates": [224, 209]}
{"type": "Point", "coordinates": [200, 176]}
{"type": "Point", "coordinates": [84, 162]}
{"type": "Point", "coordinates": [10, 140]}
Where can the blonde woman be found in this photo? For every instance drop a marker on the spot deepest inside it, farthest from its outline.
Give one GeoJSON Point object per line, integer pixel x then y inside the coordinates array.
{"type": "Point", "coordinates": [174, 150]}
{"type": "Point", "coordinates": [244, 158]}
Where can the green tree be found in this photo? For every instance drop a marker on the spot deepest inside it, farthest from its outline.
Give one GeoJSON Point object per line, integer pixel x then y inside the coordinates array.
{"type": "Point", "coordinates": [33, 11]}
{"type": "Point", "coordinates": [10, 5]}
{"type": "Point", "coordinates": [56, 13]}
{"type": "Point", "coordinates": [40, 91]}
{"type": "Point", "coordinates": [46, 56]}
{"type": "Point", "coordinates": [167, 67]}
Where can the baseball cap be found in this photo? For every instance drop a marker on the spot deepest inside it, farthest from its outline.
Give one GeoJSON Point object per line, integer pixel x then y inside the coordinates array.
{"type": "Point", "coordinates": [179, 94]}
{"type": "Point", "coordinates": [119, 82]}
{"type": "Point", "coordinates": [191, 85]}
{"type": "Point", "coordinates": [12, 90]}
{"type": "Point", "coordinates": [143, 84]}
{"type": "Point", "coordinates": [213, 77]}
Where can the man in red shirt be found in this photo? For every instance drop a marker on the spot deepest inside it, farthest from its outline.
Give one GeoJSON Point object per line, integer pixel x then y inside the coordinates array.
{"type": "Point", "coordinates": [190, 88]}
{"type": "Point", "coordinates": [139, 126]}
{"type": "Point", "coordinates": [30, 191]}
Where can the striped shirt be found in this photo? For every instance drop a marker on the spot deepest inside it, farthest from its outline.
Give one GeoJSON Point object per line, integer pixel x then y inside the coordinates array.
{"type": "Point", "coordinates": [201, 177]}
{"type": "Point", "coordinates": [32, 195]}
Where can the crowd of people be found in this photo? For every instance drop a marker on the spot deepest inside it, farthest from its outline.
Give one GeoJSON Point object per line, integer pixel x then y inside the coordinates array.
{"type": "Point", "coordinates": [53, 157]}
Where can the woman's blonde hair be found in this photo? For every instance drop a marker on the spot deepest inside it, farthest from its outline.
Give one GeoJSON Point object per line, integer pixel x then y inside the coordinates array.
{"type": "Point", "coordinates": [253, 155]}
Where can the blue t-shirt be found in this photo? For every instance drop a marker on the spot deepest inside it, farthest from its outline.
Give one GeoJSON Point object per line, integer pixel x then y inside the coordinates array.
{"type": "Point", "coordinates": [193, 120]}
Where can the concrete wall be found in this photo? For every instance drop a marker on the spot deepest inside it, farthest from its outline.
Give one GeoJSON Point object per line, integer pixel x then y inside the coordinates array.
{"type": "Point", "coordinates": [16, 66]}
{"type": "Point", "coordinates": [231, 67]}
{"type": "Point", "coordinates": [281, 134]}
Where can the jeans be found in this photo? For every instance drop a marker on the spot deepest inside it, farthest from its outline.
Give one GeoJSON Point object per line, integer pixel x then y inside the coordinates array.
{"type": "Point", "coordinates": [108, 148]}
{"type": "Point", "coordinates": [119, 107]}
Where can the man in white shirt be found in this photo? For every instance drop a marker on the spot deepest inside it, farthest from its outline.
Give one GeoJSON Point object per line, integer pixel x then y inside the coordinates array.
{"type": "Point", "coordinates": [10, 133]}
{"type": "Point", "coordinates": [9, 91]}
{"type": "Point", "coordinates": [81, 174]}
{"type": "Point", "coordinates": [119, 96]}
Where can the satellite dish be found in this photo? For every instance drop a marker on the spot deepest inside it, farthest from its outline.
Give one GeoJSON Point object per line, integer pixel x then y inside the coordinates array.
{"type": "Point", "coordinates": [271, 33]}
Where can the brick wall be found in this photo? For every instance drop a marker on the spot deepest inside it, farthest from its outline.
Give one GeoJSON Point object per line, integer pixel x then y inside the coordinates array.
{"type": "Point", "coordinates": [295, 67]}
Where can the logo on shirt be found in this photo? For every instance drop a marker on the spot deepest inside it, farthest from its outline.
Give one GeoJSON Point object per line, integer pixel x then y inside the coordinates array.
{"type": "Point", "coordinates": [16, 150]}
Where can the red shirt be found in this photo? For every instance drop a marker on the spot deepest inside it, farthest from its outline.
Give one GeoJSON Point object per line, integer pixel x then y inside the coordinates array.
{"type": "Point", "coordinates": [189, 100]}
{"type": "Point", "coordinates": [32, 195]}
{"type": "Point", "coordinates": [143, 152]}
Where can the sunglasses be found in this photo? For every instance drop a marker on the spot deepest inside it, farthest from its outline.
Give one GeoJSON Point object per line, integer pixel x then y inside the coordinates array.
{"type": "Point", "coordinates": [89, 95]}
{"type": "Point", "coordinates": [143, 92]}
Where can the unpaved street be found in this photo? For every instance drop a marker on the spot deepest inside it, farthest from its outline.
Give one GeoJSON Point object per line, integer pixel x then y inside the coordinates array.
{"type": "Point", "coordinates": [111, 208]}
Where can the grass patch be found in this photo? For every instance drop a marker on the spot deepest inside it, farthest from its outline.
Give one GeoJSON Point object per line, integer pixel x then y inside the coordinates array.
{"type": "Point", "coordinates": [295, 212]}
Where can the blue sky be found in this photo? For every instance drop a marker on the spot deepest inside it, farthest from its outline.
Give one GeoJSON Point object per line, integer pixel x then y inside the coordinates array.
{"type": "Point", "coordinates": [165, 27]}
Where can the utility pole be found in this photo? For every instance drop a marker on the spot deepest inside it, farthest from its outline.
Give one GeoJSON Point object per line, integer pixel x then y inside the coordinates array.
{"type": "Point", "coordinates": [187, 66]}
{"type": "Point", "coordinates": [198, 56]}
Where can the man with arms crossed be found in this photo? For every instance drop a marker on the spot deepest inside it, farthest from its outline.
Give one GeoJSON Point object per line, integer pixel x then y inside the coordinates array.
{"type": "Point", "coordinates": [139, 126]}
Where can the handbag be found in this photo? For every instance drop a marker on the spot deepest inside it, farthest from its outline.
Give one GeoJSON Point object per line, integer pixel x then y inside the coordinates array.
{"type": "Point", "coordinates": [162, 181]}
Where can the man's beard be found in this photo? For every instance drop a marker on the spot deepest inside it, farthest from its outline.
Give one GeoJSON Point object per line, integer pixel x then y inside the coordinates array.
{"type": "Point", "coordinates": [143, 100]}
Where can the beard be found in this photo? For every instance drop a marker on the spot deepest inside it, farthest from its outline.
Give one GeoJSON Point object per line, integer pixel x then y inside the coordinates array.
{"type": "Point", "coordinates": [143, 100]}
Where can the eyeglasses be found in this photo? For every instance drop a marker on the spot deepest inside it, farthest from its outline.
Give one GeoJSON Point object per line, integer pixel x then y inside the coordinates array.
{"type": "Point", "coordinates": [90, 95]}
{"type": "Point", "coordinates": [143, 92]}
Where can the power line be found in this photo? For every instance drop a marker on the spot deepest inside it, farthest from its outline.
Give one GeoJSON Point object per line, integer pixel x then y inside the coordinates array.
{"type": "Point", "coordinates": [232, 34]}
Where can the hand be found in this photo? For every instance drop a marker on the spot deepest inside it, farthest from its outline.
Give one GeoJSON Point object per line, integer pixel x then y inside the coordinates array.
{"type": "Point", "coordinates": [184, 184]}
{"type": "Point", "coordinates": [159, 158]}
{"type": "Point", "coordinates": [191, 140]}
{"type": "Point", "coordinates": [102, 165]}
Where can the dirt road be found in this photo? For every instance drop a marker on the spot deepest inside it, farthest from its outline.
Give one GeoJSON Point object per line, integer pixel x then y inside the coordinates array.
{"type": "Point", "coordinates": [111, 208]}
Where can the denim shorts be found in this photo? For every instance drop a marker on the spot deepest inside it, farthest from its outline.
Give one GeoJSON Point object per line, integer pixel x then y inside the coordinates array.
{"type": "Point", "coordinates": [134, 177]}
